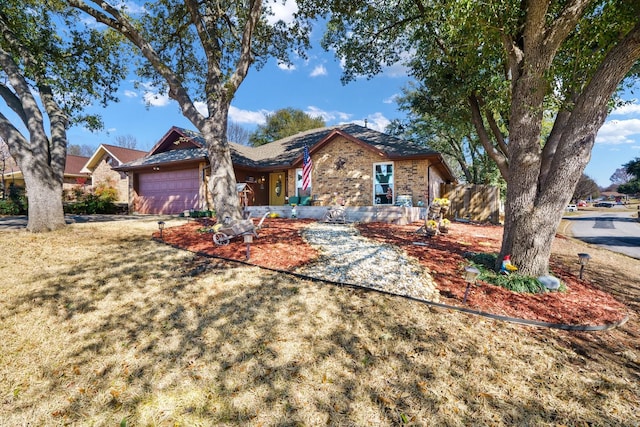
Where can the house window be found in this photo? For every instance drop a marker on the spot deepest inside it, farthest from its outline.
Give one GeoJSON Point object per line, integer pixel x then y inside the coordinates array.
{"type": "Point", "coordinates": [383, 191]}
{"type": "Point", "coordinates": [299, 191]}
{"type": "Point", "coordinates": [111, 161]}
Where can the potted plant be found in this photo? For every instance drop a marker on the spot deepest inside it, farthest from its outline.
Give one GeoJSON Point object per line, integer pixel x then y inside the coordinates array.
{"type": "Point", "coordinates": [444, 225]}
{"type": "Point", "coordinates": [431, 227]}
{"type": "Point", "coordinates": [444, 204]}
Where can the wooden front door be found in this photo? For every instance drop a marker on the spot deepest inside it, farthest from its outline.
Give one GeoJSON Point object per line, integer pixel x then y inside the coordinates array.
{"type": "Point", "coordinates": [277, 187]}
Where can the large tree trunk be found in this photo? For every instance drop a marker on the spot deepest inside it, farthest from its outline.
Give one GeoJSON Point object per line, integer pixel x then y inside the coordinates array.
{"type": "Point", "coordinates": [43, 176]}
{"type": "Point", "coordinates": [222, 182]}
{"type": "Point", "coordinates": [540, 184]}
{"type": "Point", "coordinates": [45, 202]}
{"type": "Point", "coordinates": [42, 162]}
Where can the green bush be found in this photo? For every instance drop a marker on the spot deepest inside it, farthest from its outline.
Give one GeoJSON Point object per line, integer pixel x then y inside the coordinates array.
{"type": "Point", "coordinates": [16, 203]}
{"type": "Point", "coordinates": [8, 207]}
{"type": "Point", "coordinates": [93, 203]}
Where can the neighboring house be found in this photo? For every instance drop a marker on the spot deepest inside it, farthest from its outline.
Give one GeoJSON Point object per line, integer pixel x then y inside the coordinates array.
{"type": "Point", "coordinates": [100, 165]}
{"type": "Point", "coordinates": [73, 174]}
{"type": "Point", "coordinates": [614, 195]}
{"type": "Point", "coordinates": [361, 165]}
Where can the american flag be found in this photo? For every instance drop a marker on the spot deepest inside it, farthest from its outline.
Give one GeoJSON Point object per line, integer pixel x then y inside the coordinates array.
{"type": "Point", "coordinates": [306, 169]}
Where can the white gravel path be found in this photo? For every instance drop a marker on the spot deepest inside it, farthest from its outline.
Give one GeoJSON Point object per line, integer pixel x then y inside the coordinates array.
{"type": "Point", "coordinates": [348, 257]}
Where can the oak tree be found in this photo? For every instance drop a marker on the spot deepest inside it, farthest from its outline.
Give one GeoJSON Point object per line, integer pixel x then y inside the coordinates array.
{"type": "Point", "coordinates": [51, 68]}
{"type": "Point", "coordinates": [282, 123]}
{"type": "Point", "coordinates": [518, 65]}
{"type": "Point", "coordinates": [201, 51]}
{"type": "Point", "coordinates": [632, 186]}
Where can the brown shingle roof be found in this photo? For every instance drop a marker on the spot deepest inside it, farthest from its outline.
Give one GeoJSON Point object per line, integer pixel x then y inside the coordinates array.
{"type": "Point", "coordinates": [287, 152]}
{"type": "Point", "coordinates": [164, 157]}
{"type": "Point", "coordinates": [120, 154]}
{"type": "Point", "coordinates": [74, 165]}
{"type": "Point", "coordinates": [125, 155]}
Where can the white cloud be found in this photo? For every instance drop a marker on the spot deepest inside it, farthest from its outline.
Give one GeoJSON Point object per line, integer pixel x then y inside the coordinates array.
{"type": "Point", "coordinates": [131, 7]}
{"type": "Point", "coordinates": [286, 67]}
{"type": "Point", "coordinates": [619, 132]}
{"type": "Point", "coordinates": [282, 11]}
{"type": "Point", "coordinates": [247, 117]}
{"type": "Point", "coordinates": [130, 94]}
{"type": "Point", "coordinates": [375, 121]}
{"type": "Point", "coordinates": [157, 99]}
{"type": "Point", "coordinates": [327, 116]}
{"type": "Point", "coordinates": [319, 70]}
{"type": "Point", "coordinates": [202, 108]}
{"type": "Point", "coordinates": [627, 109]}
{"type": "Point", "coordinates": [396, 70]}
{"type": "Point", "coordinates": [392, 99]}
{"type": "Point", "coordinates": [154, 98]}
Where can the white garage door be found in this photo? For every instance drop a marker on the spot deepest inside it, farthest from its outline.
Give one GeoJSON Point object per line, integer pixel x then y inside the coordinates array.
{"type": "Point", "coordinates": [168, 192]}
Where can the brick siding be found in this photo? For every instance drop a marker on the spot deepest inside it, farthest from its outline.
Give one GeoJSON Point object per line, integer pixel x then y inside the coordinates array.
{"type": "Point", "coordinates": [104, 174]}
{"type": "Point", "coordinates": [346, 168]}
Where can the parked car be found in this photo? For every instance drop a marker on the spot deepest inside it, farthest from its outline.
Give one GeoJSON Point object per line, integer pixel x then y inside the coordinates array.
{"type": "Point", "coordinates": [604, 205]}
{"type": "Point", "coordinates": [582, 204]}
{"type": "Point", "coordinates": [571, 208]}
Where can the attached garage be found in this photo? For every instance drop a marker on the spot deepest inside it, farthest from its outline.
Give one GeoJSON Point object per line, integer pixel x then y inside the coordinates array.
{"type": "Point", "coordinates": [167, 192]}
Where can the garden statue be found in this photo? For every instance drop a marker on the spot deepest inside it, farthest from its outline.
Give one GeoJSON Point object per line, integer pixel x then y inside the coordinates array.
{"type": "Point", "coordinates": [507, 267]}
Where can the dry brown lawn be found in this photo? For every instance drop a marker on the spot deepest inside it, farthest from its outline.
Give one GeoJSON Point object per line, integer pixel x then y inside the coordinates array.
{"type": "Point", "coordinates": [102, 326]}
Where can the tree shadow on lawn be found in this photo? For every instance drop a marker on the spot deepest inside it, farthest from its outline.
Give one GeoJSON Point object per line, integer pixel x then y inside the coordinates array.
{"type": "Point", "coordinates": [609, 272]}
{"type": "Point", "coordinates": [159, 336]}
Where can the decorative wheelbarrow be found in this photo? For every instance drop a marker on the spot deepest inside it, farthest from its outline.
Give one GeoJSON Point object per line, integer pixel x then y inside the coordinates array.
{"type": "Point", "coordinates": [223, 233]}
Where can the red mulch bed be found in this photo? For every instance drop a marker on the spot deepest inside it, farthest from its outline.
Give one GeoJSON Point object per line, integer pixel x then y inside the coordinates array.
{"type": "Point", "coordinates": [280, 246]}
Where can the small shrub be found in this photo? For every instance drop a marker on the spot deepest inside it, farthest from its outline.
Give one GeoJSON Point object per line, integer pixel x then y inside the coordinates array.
{"type": "Point", "coordinates": [17, 203]}
{"type": "Point", "coordinates": [513, 282]}
{"type": "Point", "coordinates": [483, 259]}
{"type": "Point", "coordinates": [101, 201]}
{"type": "Point", "coordinates": [8, 207]}
{"type": "Point", "coordinates": [106, 192]}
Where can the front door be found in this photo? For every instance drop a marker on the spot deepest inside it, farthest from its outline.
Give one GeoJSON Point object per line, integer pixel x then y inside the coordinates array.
{"type": "Point", "coordinates": [276, 188]}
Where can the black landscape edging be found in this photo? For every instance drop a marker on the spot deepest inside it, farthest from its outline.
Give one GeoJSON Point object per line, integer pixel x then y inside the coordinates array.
{"type": "Point", "coordinates": [517, 320]}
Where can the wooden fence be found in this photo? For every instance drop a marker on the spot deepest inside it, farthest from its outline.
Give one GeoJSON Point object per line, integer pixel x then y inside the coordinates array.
{"type": "Point", "coordinates": [473, 202]}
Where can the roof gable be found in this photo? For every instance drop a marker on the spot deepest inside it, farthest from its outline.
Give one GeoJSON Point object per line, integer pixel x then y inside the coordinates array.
{"type": "Point", "coordinates": [120, 154]}
{"type": "Point", "coordinates": [178, 139]}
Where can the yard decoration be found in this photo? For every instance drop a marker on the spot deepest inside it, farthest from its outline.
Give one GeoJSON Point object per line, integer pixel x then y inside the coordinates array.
{"type": "Point", "coordinates": [431, 227]}
{"type": "Point", "coordinates": [444, 204]}
{"type": "Point", "coordinates": [434, 210]}
{"type": "Point", "coordinates": [435, 222]}
{"type": "Point", "coordinates": [550, 282]}
{"type": "Point", "coordinates": [223, 233]}
{"type": "Point", "coordinates": [507, 267]}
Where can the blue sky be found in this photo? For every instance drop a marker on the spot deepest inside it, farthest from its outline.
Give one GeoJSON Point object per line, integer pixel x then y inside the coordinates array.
{"type": "Point", "coordinates": [313, 85]}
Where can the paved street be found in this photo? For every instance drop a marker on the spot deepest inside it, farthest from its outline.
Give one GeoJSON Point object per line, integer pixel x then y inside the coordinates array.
{"type": "Point", "coordinates": [616, 229]}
